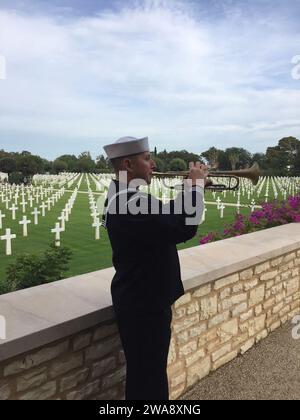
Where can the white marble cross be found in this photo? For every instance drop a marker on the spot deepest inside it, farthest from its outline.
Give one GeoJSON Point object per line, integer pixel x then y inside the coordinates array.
{"type": "Point", "coordinates": [66, 210]}
{"type": "Point", "coordinates": [57, 230]}
{"type": "Point", "coordinates": [69, 207]}
{"type": "Point", "coordinates": [218, 200]}
{"type": "Point", "coordinates": [23, 204]}
{"type": "Point", "coordinates": [222, 207]}
{"type": "Point", "coordinates": [266, 196]}
{"type": "Point", "coordinates": [95, 214]}
{"type": "Point", "coordinates": [8, 237]}
{"type": "Point", "coordinates": [13, 211]}
{"type": "Point", "coordinates": [43, 207]}
{"type": "Point", "coordinates": [30, 201]}
{"type": "Point", "coordinates": [24, 222]}
{"type": "Point", "coordinates": [204, 215]}
{"type": "Point", "coordinates": [97, 225]}
{"type": "Point", "coordinates": [49, 203]}
{"type": "Point", "coordinates": [35, 212]}
{"type": "Point", "coordinates": [62, 218]}
{"type": "Point", "coordinates": [6, 201]}
{"type": "Point", "coordinates": [1, 217]}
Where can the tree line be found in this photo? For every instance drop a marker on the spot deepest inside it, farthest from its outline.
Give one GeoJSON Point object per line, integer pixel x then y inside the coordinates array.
{"type": "Point", "coordinates": [281, 160]}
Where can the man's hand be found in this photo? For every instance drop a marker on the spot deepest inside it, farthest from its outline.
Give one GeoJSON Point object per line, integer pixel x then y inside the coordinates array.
{"type": "Point", "coordinates": [197, 171]}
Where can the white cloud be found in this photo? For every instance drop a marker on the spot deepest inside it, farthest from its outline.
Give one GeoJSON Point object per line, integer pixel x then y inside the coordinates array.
{"type": "Point", "coordinates": [158, 70]}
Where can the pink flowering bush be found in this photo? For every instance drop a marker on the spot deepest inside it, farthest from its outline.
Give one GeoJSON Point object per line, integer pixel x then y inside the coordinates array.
{"type": "Point", "coordinates": [271, 214]}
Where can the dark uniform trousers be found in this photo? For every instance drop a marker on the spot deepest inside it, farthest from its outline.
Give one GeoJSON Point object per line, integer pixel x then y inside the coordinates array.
{"type": "Point", "coordinates": [146, 338]}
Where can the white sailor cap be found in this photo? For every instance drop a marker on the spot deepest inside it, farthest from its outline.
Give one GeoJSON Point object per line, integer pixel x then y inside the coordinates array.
{"type": "Point", "coordinates": [126, 146]}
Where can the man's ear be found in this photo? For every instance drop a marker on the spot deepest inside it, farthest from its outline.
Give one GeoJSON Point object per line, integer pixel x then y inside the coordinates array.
{"type": "Point", "coordinates": [127, 164]}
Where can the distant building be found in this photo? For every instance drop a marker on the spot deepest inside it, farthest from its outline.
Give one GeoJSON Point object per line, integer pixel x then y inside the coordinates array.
{"type": "Point", "coordinates": [3, 176]}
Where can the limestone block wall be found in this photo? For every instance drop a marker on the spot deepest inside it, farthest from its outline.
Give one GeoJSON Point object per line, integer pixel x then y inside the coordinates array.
{"type": "Point", "coordinates": [214, 323]}
{"type": "Point", "coordinates": [88, 365]}
{"type": "Point", "coordinates": [63, 343]}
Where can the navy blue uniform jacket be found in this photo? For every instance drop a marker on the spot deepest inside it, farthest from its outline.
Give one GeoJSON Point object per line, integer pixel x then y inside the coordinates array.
{"type": "Point", "coordinates": [145, 256]}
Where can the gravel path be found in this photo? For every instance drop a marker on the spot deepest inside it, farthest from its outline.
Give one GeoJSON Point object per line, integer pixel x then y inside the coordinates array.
{"type": "Point", "coordinates": [269, 371]}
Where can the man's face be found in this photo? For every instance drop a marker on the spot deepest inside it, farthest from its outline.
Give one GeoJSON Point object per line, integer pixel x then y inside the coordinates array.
{"type": "Point", "coordinates": [142, 167]}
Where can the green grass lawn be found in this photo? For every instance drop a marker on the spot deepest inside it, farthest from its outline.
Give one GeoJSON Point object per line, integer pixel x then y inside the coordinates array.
{"type": "Point", "coordinates": [89, 254]}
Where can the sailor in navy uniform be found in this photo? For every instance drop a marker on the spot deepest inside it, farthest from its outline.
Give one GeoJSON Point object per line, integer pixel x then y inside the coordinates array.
{"type": "Point", "coordinates": [143, 235]}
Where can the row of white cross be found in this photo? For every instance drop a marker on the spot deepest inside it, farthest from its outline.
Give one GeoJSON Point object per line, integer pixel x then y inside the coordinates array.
{"type": "Point", "coordinates": [25, 222]}
{"type": "Point", "coordinates": [43, 194]}
{"type": "Point", "coordinates": [61, 179]}
{"type": "Point", "coordinates": [50, 202]}
{"type": "Point", "coordinates": [61, 227]}
{"type": "Point", "coordinates": [64, 217]}
{"type": "Point", "coordinates": [157, 188]}
{"type": "Point", "coordinates": [94, 211]}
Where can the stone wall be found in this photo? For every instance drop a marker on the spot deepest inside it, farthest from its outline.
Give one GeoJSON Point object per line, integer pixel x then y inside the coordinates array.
{"type": "Point", "coordinates": [216, 322]}
{"type": "Point", "coordinates": [89, 365]}
{"type": "Point", "coordinates": [52, 352]}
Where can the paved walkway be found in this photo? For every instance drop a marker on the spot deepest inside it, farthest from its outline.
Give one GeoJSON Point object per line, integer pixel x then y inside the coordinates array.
{"type": "Point", "coordinates": [269, 371]}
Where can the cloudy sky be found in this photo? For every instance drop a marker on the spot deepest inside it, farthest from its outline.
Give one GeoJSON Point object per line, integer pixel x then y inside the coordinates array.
{"type": "Point", "coordinates": [189, 74]}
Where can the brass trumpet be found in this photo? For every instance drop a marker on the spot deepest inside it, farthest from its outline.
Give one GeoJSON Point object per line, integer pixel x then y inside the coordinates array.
{"type": "Point", "coordinates": [252, 173]}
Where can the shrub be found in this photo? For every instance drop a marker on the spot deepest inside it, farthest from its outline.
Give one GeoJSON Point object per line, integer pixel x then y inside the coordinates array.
{"type": "Point", "coordinates": [271, 214]}
{"type": "Point", "coordinates": [16, 178]}
{"type": "Point", "coordinates": [32, 270]}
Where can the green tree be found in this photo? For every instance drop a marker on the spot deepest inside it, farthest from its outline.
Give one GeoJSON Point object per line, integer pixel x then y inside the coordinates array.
{"type": "Point", "coordinates": [59, 166]}
{"type": "Point", "coordinates": [102, 164]}
{"type": "Point", "coordinates": [261, 159]}
{"type": "Point", "coordinates": [85, 163]}
{"type": "Point", "coordinates": [284, 159]}
{"type": "Point", "coordinates": [28, 165]}
{"type": "Point", "coordinates": [8, 165]}
{"type": "Point", "coordinates": [178, 164]}
{"type": "Point", "coordinates": [238, 158]}
{"type": "Point", "coordinates": [71, 161]}
{"type": "Point", "coordinates": [277, 161]}
{"type": "Point", "coordinates": [182, 154]}
{"type": "Point", "coordinates": [3, 154]}
{"type": "Point", "coordinates": [47, 166]}
{"type": "Point", "coordinates": [160, 167]}
{"type": "Point", "coordinates": [212, 156]}
{"type": "Point", "coordinates": [233, 159]}
{"type": "Point", "coordinates": [16, 178]}
{"type": "Point", "coordinates": [291, 147]}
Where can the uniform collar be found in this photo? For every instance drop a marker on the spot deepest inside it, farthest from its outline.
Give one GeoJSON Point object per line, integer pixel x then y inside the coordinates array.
{"type": "Point", "coordinates": [122, 187]}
